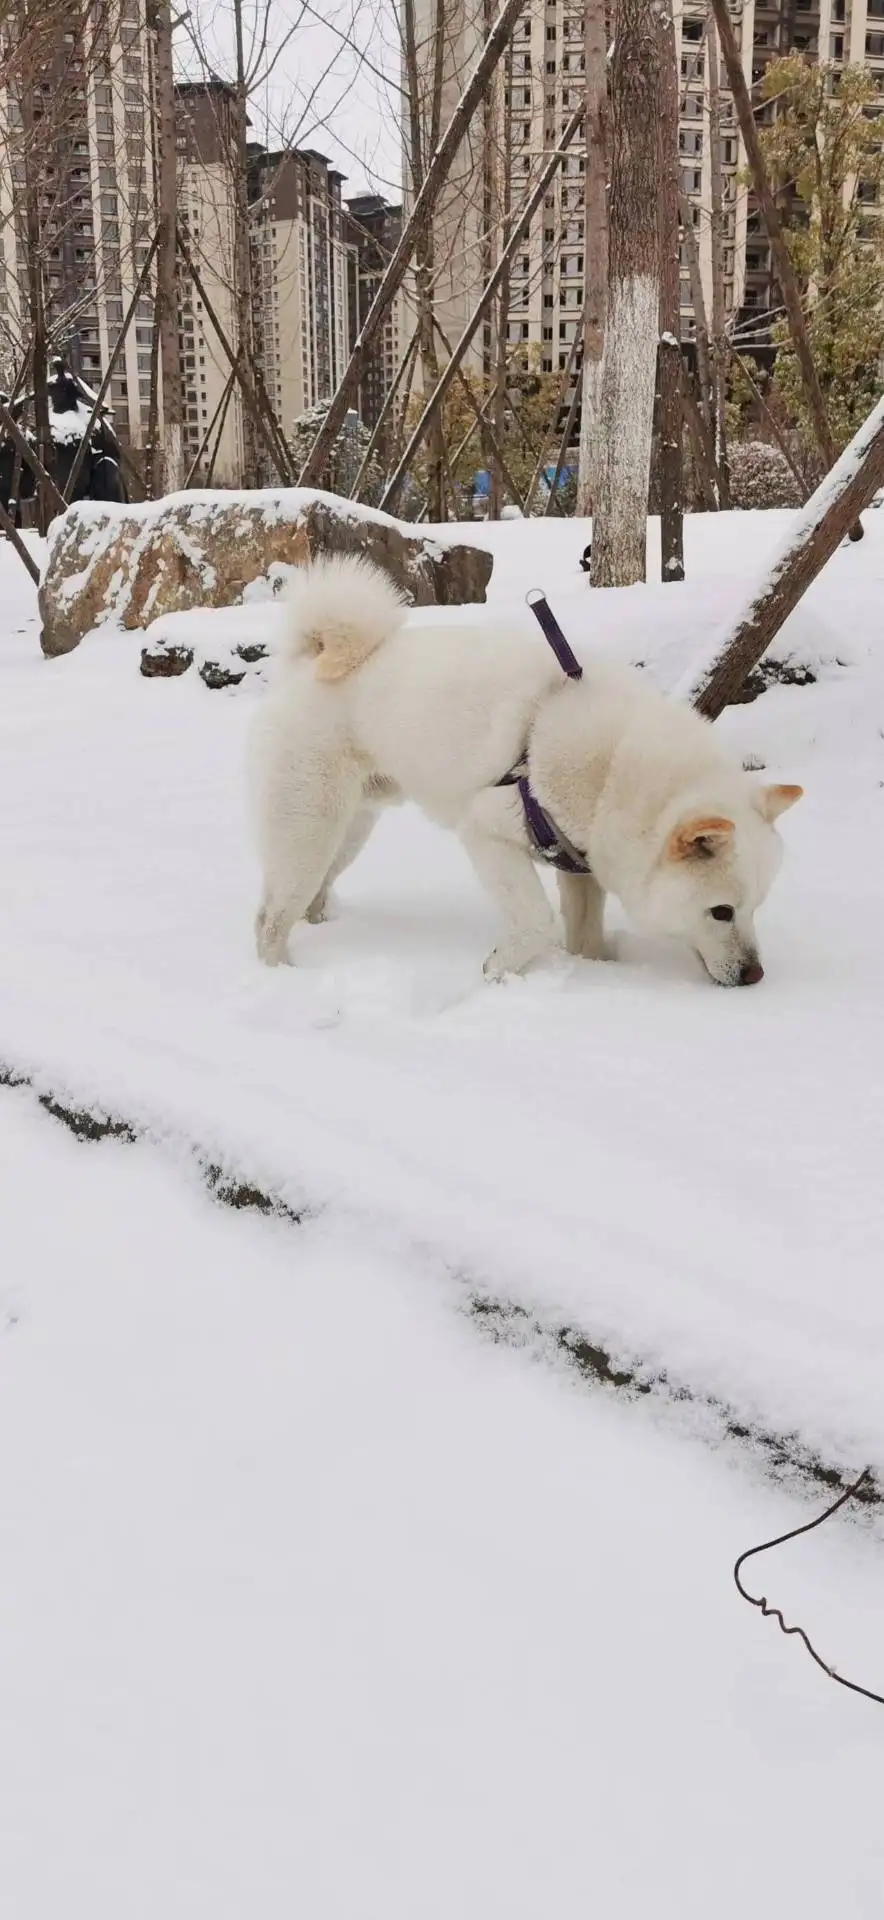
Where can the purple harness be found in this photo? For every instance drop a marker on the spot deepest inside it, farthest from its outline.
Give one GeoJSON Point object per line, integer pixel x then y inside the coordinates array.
{"type": "Point", "coordinates": [547, 841]}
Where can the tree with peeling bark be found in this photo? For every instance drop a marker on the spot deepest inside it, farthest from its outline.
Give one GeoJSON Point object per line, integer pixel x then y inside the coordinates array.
{"type": "Point", "coordinates": [669, 359]}
{"type": "Point", "coordinates": [595, 43]}
{"type": "Point", "coordinates": [719, 341]}
{"type": "Point", "coordinates": [626, 406]}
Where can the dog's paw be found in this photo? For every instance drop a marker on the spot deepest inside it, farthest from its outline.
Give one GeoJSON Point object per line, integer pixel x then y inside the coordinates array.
{"type": "Point", "coordinates": [498, 965]}
{"type": "Point", "coordinates": [514, 958]}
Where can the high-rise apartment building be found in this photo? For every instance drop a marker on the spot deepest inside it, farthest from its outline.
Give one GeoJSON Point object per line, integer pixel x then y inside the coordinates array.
{"type": "Point", "coordinates": [535, 90]}
{"type": "Point", "coordinates": [204, 137]}
{"type": "Point", "coordinates": [78, 193]}
{"type": "Point", "coordinates": [373, 229]}
{"type": "Point", "coordinates": [299, 278]}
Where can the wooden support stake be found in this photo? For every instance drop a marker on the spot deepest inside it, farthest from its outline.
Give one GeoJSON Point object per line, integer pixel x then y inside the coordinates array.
{"type": "Point", "coordinates": [82, 449]}
{"type": "Point", "coordinates": [15, 540]}
{"type": "Point", "coordinates": [818, 529]}
{"type": "Point", "coordinates": [222, 403]}
{"type": "Point", "coordinates": [30, 454]}
{"type": "Point", "coordinates": [402, 370]}
{"type": "Point", "coordinates": [258, 405]}
{"type": "Point", "coordinates": [782, 259]}
{"type": "Point", "coordinates": [520, 226]}
{"type": "Point", "coordinates": [420, 217]}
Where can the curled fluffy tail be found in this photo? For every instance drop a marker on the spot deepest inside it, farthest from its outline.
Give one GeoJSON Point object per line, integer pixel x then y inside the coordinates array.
{"type": "Point", "coordinates": [341, 609]}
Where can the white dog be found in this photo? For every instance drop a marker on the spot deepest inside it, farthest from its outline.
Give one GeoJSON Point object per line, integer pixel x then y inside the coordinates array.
{"type": "Point", "coordinates": [366, 711]}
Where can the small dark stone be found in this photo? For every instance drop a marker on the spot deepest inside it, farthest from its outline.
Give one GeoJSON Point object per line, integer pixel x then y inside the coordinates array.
{"type": "Point", "coordinates": [165, 663]}
{"type": "Point", "coordinates": [771, 673]}
{"type": "Point", "coordinates": [252, 653]}
{"type": "Point", "coordinates": [215, 676]}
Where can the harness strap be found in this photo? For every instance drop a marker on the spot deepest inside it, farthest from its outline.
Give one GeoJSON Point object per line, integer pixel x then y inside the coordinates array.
{"type": "Point", "coordinates": [546, 839]}
{"type": "Point", "coordinates": [548, 843]}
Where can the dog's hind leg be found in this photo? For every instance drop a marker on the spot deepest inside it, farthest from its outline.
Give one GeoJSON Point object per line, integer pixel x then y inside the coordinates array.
{"type": "Point", "coordinates": [304, 830]}
{"type": "Point", "coordinates": [354, 841]}
{"type": "Point", "coordinates": [583, 911]}
{"type": "Point", "coordinates": [491, 836]}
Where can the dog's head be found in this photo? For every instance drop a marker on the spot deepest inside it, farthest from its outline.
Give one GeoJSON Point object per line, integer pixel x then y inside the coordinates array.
{"type": "Point", "coordinates": [714, 870]}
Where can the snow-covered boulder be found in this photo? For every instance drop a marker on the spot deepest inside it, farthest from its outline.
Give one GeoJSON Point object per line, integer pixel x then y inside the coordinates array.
{"type": "Point", "coordinates": [131, 564]}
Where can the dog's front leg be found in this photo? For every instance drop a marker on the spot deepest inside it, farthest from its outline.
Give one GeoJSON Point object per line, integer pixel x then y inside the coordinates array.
{"type": "Point", "coordinates": [507, 871]}
{"type": "Point", "coordinates": [583, 911]}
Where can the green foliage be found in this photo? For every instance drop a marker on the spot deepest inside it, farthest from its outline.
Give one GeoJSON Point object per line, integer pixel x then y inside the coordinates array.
{"type": "Point", "coordinates": [827, 143]}
{"type": "Point", "coordinates": [531, 400]}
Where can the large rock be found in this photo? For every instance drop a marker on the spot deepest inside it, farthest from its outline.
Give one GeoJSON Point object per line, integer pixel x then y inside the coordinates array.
{"type": "Point", "coordinates": [132, 564]}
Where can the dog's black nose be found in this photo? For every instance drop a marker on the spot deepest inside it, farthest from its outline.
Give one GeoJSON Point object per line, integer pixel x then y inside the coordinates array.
{"type": "Point", "coordinates": [751, 974]}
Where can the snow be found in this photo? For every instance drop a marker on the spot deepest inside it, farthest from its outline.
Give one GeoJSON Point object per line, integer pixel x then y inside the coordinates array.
{"type": "Point", "coordinates": [70, 425]}
{"type": "Point", "coordinates": [314, 1602]}
{"type": "Point", "coordinates": [276, 503]}
{"type": "Point", "coordinates": [800, 527]}
{"type": "Point", "coordinates": [317, 1599]}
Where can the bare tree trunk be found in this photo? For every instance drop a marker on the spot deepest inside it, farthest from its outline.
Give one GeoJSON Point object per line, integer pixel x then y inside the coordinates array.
{"type": "Point", "coordinates": [421, 214]}
{"type": "Point", "coordinates": [595, 239]}
{"type": "Point", "coordinates": [424, 250]}
{"type": "Point", "coordinates": [700, 442]}
{"type": "Point", "coordinates": [669, 350]}
{"type": "Point", "coordinates": [719, 342]}
{"type": "Point", "coordinates": [626, 413]}
{"type": "Point", "coordinates": [522, 223]}
{"type": "Point", "coordinates": [698, 302]}
{"type": "Point", "coordinates": [166, 310]}
{"type": "Point", "coordinates": [33, 239]}
{"type": "Point", "coordinates": [154, 462]}
{"type": "Point", "coordinates": [504, 162]}
{"type": "Point", "coordinates": [818, 529]}
{"type": "Point", "coordinates": [242, 259]}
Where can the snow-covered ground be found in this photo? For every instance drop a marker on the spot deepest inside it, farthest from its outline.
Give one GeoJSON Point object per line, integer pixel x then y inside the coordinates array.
{"type": "Point", "coordinates": [315, 1599]}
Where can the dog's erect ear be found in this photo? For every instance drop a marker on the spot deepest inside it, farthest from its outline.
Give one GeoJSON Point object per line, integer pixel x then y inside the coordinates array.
{"type": "Point", "coordinates": [772, 801]}
{"type": "Point", "coordinates": [698, 839]}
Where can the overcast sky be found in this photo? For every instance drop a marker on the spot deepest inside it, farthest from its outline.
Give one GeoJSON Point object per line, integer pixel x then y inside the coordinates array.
{"type": "Point", "coordinates": [329, 82]}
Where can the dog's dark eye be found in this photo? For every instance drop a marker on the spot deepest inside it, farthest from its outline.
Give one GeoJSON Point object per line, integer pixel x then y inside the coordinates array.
{"type": "Point", "coordinates": [722, 913]}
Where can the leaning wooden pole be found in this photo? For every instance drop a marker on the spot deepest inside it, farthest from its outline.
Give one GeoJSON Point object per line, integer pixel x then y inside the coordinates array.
{"type": "Point", "coordinates": [259, 408]}
{"type": "Point", "coordinates": [31, 458]}
{"type": "Point", "coordinates": [421, 214]}
{"type": "Point", "coordinates": [770, 214]}
{"type": "Point", "coordinates": [564, 443]}
{"type": "Point", "coordinates": [409, 356]}
{"type": "Point", "coordinates": [561, 397]}
{"type": "Point", "coordinates": [818, 529]}
{"type": "Point", "coordinates": [520, 227]}
{"type": "Point", "coordinates": [113, 357]}
{"type": "Point", "coordinates": [9, 528]}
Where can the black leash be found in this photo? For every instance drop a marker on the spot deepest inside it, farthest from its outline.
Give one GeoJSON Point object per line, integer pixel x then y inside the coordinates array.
{"type": "Point", "coordinates": [773, 1613]}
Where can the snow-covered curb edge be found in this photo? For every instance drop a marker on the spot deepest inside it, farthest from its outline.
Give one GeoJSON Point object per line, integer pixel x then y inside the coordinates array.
{"type": "Point", "coordinates": [504, 1321]}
